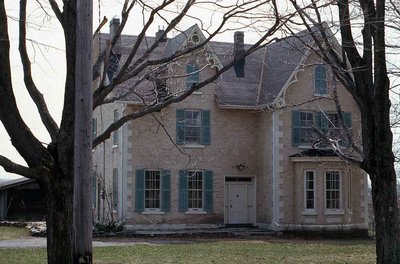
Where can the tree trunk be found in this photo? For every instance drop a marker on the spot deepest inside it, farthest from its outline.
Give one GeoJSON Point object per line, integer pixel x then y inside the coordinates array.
{"type": "Point", "coordinates": [384, 198]}
{"type": "Point", "coordinates": [59, 219]}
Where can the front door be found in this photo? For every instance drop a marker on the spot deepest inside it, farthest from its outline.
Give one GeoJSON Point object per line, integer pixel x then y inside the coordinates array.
{"type": "Point", "coordinates": [238, 213]}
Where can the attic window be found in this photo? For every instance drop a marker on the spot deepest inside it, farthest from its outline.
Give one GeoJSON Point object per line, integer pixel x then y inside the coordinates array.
{"type": "Point", "coordinates": [195, 38]}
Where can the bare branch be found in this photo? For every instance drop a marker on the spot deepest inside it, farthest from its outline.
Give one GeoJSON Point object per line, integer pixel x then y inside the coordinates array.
{"type": "Point", "coordinates": [32, 173]}
{"type": "Point", "coordinates": [36, 96]}
{"type": "Point", "coordinates": [57, 11]}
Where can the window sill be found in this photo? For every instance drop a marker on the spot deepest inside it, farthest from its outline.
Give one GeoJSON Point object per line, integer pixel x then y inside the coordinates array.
{"type": "Point", "coordinates": [338, 212]}
{"type": "Point", "coordinates": [115, 146]}
{"type": "Point", "coordinates": [322, 95]}
{"type": "Point", "coordinates": [311, 213]}
{"type": "Point", "coordinates": [194, 212]}
{"type": "Point", "coordinates": [193, 146]}
{"type": "Point", "coordinates": [155, 212]}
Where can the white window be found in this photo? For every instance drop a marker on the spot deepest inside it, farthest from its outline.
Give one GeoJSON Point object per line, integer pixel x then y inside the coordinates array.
{"type": "Point", "coordinates": [332, 190]}
{"type": "Point", "coordinates": [306, 127]}
{"type": "Point", "coordinates": [195, 190]}
{"type": "Point", "coordinates": [192, 126]}
{"type": "Point", "coordinates": [320, 80]}
{"type": "Point", "coordinates": [152, 183]}
{"type": "Point", "coordinates": [309, 189]}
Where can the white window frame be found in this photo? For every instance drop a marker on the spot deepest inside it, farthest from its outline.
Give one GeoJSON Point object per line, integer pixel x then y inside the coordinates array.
{"type": "Point", "coordinates": [310, 210]}
{"type": "Point", "coordinates": [333, 210]}
{"type": "Point", "coordinates": [152, 209]}
{"type": "Point", "coordinates": [198, 142]}
{"type": "Point", "coordinates": [326, 80]}
{"type": "Point", "coordinates": [189, 174]}
{"type": "Point", "coordinates": [307, 138]}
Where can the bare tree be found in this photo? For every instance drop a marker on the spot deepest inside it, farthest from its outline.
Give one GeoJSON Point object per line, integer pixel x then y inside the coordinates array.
{"type": "Point", "coordinates": [52, 165]}
{"type": "Point", "coordinates": [361, 65]}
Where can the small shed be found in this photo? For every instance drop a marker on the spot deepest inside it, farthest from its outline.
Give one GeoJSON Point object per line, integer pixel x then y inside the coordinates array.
{"type": "Point", "coordinates": [21, 199]}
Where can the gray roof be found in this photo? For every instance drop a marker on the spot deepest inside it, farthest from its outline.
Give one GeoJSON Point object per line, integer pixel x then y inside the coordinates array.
{"type": "Point", "coordinates": [267, 70]}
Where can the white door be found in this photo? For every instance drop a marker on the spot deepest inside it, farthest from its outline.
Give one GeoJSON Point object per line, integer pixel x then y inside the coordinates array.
{"type": "Point", "coordinates": [238, 203]}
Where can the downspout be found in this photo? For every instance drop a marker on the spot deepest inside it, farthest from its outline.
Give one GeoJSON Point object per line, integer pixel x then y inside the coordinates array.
{"type": "Point", "coordinates": [275, 170]}
{"type": "Point", "coordinates": [123, 161]}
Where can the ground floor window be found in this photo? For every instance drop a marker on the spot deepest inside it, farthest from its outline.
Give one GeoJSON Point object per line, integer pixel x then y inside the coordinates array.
{"type": "Point", "coordinates": [195, 190]}
{"type": "Point", "coordinates": [309, 189]}
{"type": "Point", "coordinates": [332, 190]}
{"type": "Point", "coordinates": [152, 189]}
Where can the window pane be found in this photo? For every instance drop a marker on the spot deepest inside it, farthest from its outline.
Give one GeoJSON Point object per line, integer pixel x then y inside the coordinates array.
{"type": "Point", "coordinates": [152, 189]}
{"type": "Point", "coordinates": [195, 189]}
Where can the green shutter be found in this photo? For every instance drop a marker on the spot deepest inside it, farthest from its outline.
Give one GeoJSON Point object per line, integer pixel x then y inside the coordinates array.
{"type": "Point", "coordinates": [205, 127]}
{"type": "Point", "coordinates": [166, 191]}
{"type": "Point", "coordinates": [208, 186]}
{"type": "Point", "coordinates": [139, 205]}
{"type": "Point", "coordinates": [295, 128]}
{"type": "Point", "coordinates": [180, 126]}
{"type": "Point", "coordinates": [183, 191]}
{"type": "Point", "coordinates": [94, 127]}
{"type": "Point", "coordinates": [94, 185]}
{"type": "Point", "coordinates": [347, 119]}
{"type": "Point", "coordinates": [115, 189]}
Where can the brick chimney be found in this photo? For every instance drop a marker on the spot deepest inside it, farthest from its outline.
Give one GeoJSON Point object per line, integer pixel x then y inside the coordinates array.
{"type": "Point", "coordinates": [114, 24]}
{"type": "Point", "coordinates": [159, 34]}
{"type": "Point", "coordinates": [238, 50]}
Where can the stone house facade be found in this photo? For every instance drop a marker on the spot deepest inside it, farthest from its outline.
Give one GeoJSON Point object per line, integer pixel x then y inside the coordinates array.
{"type": "Point", "coordinates": [241, 150]}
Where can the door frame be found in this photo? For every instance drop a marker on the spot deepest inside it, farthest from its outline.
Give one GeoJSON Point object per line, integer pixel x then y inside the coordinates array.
{"type": "Point", "coordinates": [252, 212]}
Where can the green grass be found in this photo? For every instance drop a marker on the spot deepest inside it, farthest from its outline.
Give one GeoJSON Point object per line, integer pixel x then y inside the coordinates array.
{"type": "Point", "coordinates": [11, 232]}
{"type": "Point", "coordinates": [224, 252]}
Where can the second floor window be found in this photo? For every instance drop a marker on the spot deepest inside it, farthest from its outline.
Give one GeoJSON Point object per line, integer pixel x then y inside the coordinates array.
{"type": "Point", "coordinates": [304, 124]}
{"type": "Point", "coordinates": [192, 126]}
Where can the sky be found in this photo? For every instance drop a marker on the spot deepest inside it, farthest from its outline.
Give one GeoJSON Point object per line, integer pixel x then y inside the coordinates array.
{"type": "Point", "coordinates": [46, 50]}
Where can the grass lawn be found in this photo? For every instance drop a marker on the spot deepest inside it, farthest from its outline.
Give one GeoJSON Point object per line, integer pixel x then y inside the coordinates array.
{"type": "Point", "coordinates": [11, 232]}
{"type": "Point", "coordinates": [226, 252]}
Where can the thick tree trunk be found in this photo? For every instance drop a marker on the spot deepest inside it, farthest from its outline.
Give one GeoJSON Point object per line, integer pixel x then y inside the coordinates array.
{"type": "Point", "coordinates": [384, 198]}
{"type": "Point", "coordinates": [59, 220]}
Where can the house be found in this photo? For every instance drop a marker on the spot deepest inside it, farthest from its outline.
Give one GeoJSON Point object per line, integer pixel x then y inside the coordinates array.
{"type": "Point", "coordinates": [241, 150]}
{"type": "Point", "coordinates": [21, 199]}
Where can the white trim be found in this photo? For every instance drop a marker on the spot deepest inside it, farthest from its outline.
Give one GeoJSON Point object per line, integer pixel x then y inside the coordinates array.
{"type": "Point", "coordinates": [195, 212]}
{"type": "Point", "coordinates": [152, 212]}
{"type": "Point", "coordinates": [316, 159]}
{"type": "Point", "coordinates": [193, 146]}
{"type": "Point", "coordinates": [275, 169]}
{"type": "Point", "coordinates": [340, 209]}
{"type": "Point", "coordinates": [309, 211]}
{"type": "Point", "coordinates": [329, 227]}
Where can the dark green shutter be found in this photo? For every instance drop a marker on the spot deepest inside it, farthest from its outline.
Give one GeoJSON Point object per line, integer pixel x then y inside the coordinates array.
{"type": "Point", "coordinates": [183, 191]}
{"type": "Point", "coordinates": [94, 127]}
{"type": "Point", "coordinates": [205, 127]}
{"type": "Point", "coordinates": [180, 126]}
{"type": "Point", "coordinates": [166, 191]}
{"type": "Point", "coordinates": [347, 119]}
{"type": "Point", "coordinates": [295, 128]}
{"type": "Point", "coordinates": [115, 189]}
{"type": "Point", "coordinates": [208, 186]}
{"type": "Point", "coordinates": [94, 185]}
{"type": "Point", "coordinates": [139, 191]}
